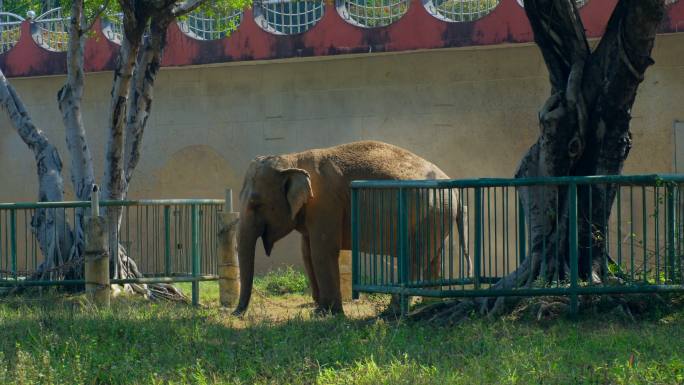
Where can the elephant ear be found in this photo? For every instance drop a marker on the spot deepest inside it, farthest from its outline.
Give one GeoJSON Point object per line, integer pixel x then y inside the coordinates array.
{"type": "Point", "coordinates": [297, 189]}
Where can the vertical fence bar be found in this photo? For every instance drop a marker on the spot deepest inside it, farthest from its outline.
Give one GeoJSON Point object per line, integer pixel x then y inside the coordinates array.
{"type": "Point", "coordinates": [373, 237]}
{"type": "Point", "coordinates": [381, 234]}
{"type": "Point", "coordinates": [403, 250]}
{"type": "Point", "coordinates": [521, 232]}
{"type": "Point", "coordinates": [656, 225]}
{"type": "Point", "coordinates": [619, 228]}
{"type": "Point", "coordinates": [355, 241]}
{"type": "Point", "coordinates": [632, 235]}
{"type": "Point", "coordinates": [3, 245]}
{"type": "Point", "coordinates": [452, 214]}
{"type": "Point", "coordinates": [478, 237]}
{"type": "Point", "coordinates": [195, 254]}
{"type": "Point", "coordinates": [679, 235]}
{"type": "Point", "coordinates": [574, 248]}
{"type": "Point", "coordinates": [670, 234]}
{"type": "Point", "coordinates": [167, 240]}
{"type": "Point", "coordinates": [200, 242]}
{"type": "Point", "coordinates": [13, 241]}
{"type": "Point", "coordinates": [645, 232]}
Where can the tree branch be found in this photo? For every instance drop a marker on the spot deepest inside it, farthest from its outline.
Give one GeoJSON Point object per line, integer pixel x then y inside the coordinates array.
{"type": "Point", "coordinates": [114, 179]}
{"type": "Point", "coordinates": [50, 226]}
{"type": "Point", "coordinates": [88, 26]}
{"type": "Point", "coordinates": [142, 87]}
{"type": "Point", "coordinates": [186, 7]}
{"type": "Point", "coordinates": [69, 100]}
{"type": "Point", "coordinates": [559, 33]}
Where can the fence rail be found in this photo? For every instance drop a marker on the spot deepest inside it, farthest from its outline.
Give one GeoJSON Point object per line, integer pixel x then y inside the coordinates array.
{"type": "Point", "coordinates": [169, 240]}
{"type": "Point", "coordinates": [406, 240]}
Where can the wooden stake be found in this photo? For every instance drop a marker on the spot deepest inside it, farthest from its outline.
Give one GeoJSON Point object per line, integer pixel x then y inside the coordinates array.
{"type": "Point", "coordinates": [97, 261]}
{"type": "Point", "coordinates": [228, 267]}
{"type": "Point", "coordinates": [96, 255]}
{"type": "Point", "coordinates": [345, 275]}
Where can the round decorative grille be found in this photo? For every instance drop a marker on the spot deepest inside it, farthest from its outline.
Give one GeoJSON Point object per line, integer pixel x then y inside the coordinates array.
{"type": "Point", "coordinates": [287, 17]}
{"type": "Point", "coordinates": [10, 30]}
{"type": "Point", "coordinates": [372, 13]}
{"type": "Point", "coordinates": [460, 10]}
{"type": "Point", "coordinates": [50, 30]}
{"type": "Point", "coordinates": [201, 26]}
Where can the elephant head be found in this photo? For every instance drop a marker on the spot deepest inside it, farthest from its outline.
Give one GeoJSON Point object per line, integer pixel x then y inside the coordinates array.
{"type": "Point", "coordinates": [272, 196]}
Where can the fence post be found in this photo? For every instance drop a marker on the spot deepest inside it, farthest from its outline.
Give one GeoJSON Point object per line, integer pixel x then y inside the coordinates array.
{"type": "Point", "coordinates": [195, 253]}
{"type": "Point", "coordinates": [466, 238]}
{"type": "Point", "coordinates": [522, 240]}
{"type": "Point", "coordinates": [167, 241]}
{"type": "Point", "coordinates": [670, 233]}
{"type": "Point", "coordinates": [228, 267]}
{"type": "Point", "coordinates": [13, 241]}
{"type": "Point", "coordinates": [403, 252]}
{"type": "Point", "coordinates": [355, 241]}
{"type": "Point", "coordinates": [479, 214]}
{"type": "Point", "coordinates": [574, 248]}
{"type": "Point", "coordinates": [97, 254]}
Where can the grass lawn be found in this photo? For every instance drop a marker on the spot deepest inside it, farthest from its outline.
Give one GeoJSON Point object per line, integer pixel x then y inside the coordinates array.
{"type": "Point", "coordinates": [62, 340]}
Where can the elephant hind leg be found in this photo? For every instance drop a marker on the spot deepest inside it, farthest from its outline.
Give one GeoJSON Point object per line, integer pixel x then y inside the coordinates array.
{"type": "Point", "coordinates": [306, 255]}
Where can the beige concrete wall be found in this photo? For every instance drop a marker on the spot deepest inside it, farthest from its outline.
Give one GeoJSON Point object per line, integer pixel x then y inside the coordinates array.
{"type": "Point", "coordinates": [470, 111]}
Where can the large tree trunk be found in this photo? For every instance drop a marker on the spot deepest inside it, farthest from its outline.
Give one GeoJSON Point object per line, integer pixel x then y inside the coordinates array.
{"type": "Point", "coordinates": [130, 107]}
{"type": "Point", "coordinates": [69, 99]}
{"type": "Point", "coordinates": [584, 126]}
{"type": "Point", "coordinates": [114, 178]}
{"type": "Point", "coordinates": [141, 93]}
{"type": "Point", "coordinates": [584, 130]}
{"type": "Point", "coordinates": [131, 104]}
{"type": "Point", "coordinates": [49, 225]}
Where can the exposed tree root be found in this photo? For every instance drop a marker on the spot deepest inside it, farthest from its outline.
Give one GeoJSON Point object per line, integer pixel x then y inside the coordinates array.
{"type": "Point", "coordinates": [128, 269]}
{"type": "Point", "coordinates": [625, 307]}
{"type": "Point", "coordinates": [584, 130]}
{"type": "Point", "coordinates": [158, 291]}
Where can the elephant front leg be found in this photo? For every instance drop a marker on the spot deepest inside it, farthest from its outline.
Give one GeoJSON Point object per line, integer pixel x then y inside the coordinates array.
{"type": "Point", "coordinates": [306, 254]}
{"type": "Point", "coordinates": [324, 258]}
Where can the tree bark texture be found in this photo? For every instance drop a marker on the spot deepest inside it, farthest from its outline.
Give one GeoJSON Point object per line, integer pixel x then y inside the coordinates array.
{"type": "Point", "coordinates": [134, 86]}
{"type": "Point", "coordinates": [584, 129]}
{"type": "Point", "coordinates": [132, 93]}
{"type": "Point", "coordinates": [114, 178]}
{"type": "Point", "coordinates": [141, 94]}
{"type": "Point", "coordinates": [69, 99]}
{"type": "Point", "coordinates": [131, 101]}
{"type": "Point", "coordinates": [49, 225]}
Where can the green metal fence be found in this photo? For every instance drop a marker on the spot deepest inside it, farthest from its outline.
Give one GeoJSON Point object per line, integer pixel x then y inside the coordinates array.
{"type": "Point", "coordinates": [169, 240]}
{"type": "Point", "coordinates": [405, 239]}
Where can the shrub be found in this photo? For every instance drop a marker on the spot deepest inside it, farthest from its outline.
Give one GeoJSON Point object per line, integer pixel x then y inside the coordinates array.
{"type": "Point", "coordinates": [282, 281]}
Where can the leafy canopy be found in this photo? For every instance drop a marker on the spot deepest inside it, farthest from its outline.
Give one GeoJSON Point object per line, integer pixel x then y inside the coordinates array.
{"type": "Point", "coordinates": [217, 9]}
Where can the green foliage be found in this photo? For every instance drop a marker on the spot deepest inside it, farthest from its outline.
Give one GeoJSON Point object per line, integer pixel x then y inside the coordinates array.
{"type": "Point", "coordinates": [374, 13]}
{"type": "Point", "coordinates": [211, 8]}
{"type": "Point", "coordinates": [20, 7]}
{"type": "Point", "coordinates": [220, 16]}
{"type": "Point", "coordinates": [223, 7]}
{"type": "Point", "coordinates": [282, 281]}
{"type": "Point", "coordinates": [60, 341]}
{"type": "Point", "coordinates": [465, 10]}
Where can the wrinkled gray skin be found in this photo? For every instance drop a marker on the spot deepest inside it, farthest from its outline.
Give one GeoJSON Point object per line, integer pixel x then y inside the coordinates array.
{"type": "Point", "coordinates": [309, 192]}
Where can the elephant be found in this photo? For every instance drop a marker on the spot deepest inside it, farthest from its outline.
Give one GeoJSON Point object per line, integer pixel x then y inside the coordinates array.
{"type": "Point", "coordinates": [309, 192]}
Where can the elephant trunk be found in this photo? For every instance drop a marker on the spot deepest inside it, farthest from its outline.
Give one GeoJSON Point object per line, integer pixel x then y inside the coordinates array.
{"type": "Point", "coordinates": [246, 244]}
